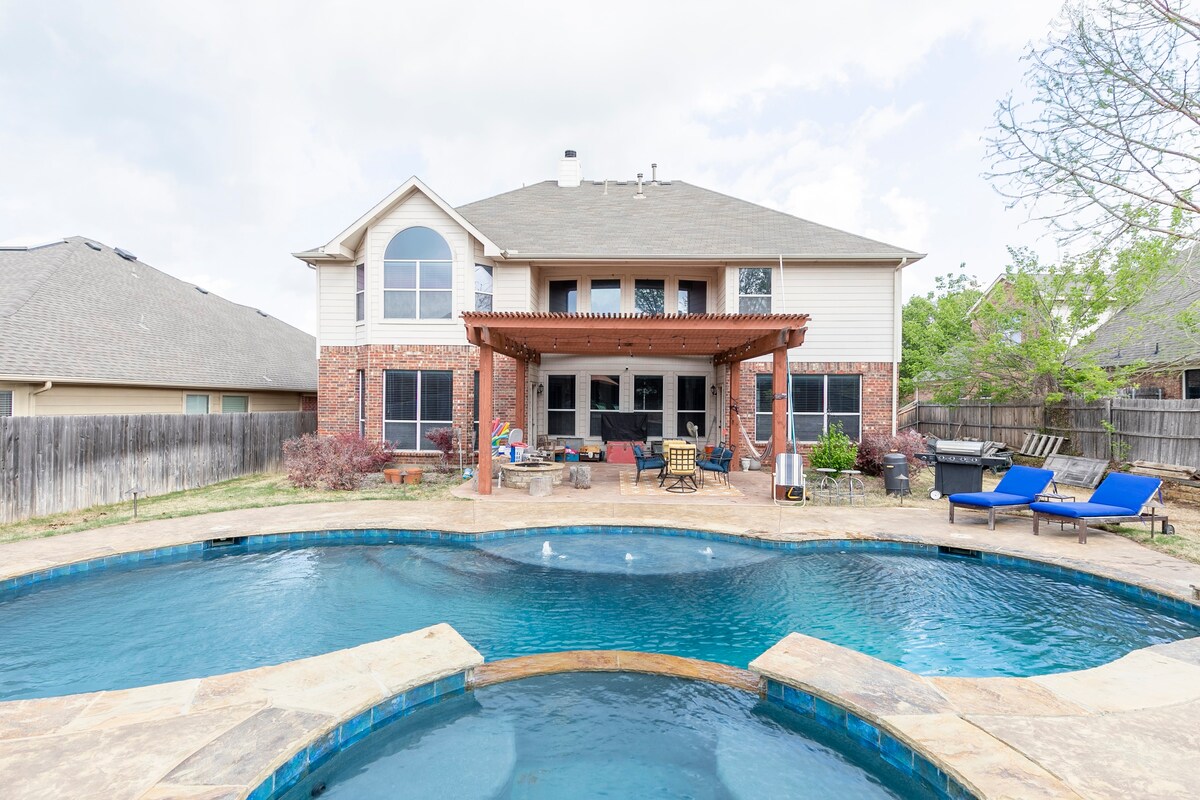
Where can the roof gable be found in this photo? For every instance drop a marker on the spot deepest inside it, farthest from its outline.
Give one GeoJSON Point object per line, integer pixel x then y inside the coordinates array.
{"type": "Point", "coordinates": [344, 246]}
{"type": "Point", "coordinates": [90, 315]}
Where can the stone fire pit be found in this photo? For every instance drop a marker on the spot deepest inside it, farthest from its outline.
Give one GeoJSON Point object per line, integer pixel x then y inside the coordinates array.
{"type": "Point", "coordinates": [517, 476]}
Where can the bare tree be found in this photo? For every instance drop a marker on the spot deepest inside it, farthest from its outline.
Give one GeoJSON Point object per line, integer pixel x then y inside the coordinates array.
{"type": "Point", "coordinates": [1110, 141]}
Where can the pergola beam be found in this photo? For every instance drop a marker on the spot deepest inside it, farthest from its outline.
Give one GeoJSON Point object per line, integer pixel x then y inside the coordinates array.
{"type": "Point", "coordinates": [786, 338]}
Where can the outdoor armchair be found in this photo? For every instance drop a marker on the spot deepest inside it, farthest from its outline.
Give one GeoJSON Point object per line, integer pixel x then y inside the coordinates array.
{"type": "Point", "coordinates": [718, 464]}
{"type": "Point", "coordinates": [1018, 489]}
{"type": "Point", "coordinates": [645, 462]}
{"type": "Point", "coordinates": [1119, 497]}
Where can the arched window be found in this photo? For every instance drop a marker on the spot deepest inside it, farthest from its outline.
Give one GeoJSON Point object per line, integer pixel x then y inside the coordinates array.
{"type": "Point", "coordinates": [417, 269]}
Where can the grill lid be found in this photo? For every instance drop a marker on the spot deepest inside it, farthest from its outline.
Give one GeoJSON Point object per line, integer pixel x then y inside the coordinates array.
{"type": "Point", "coordinates": [962, 447]}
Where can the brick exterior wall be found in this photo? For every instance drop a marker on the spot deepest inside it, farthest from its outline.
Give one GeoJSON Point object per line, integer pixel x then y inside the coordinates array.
{"type": "Point", "coordinates": [876, 390]}
{"type": "Point", "coordinates": [1171, 383]}
{"type": "Point", "coordinates": [337, 395]}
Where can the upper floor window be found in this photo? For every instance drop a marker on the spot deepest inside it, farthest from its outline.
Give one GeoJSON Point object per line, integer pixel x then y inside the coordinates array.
{"type": "Point", "coordinates": [606, 296]}
{"type": "Point", "coordinates": [360, 293]}
{"type": "Point", "coordinates": [417, 270]}
{"type": "Point", "coordinates": [649, 297]}
{"type": "Point", "coordinates": [483, 288]}
{"type": "Point", "coordinates": [564, 297]}
{"type": "Point", "coordinates": [754, 290]}
{"type": "Point", "coordinates": [693, 297]}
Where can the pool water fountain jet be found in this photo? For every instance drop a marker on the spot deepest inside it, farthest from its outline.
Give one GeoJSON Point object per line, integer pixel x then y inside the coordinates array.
{"type": "Point", "coordinates": [547, 550]}
{"type": "Point", "coordinates": [629, 556]}
{"type": "Point", "coordinates": [707, 552]}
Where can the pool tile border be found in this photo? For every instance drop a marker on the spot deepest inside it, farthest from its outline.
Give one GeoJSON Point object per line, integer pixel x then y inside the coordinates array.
{"type": "Point", "coordinates": [890, 750]}
{"type": "Point", "coordinates": [351, 731]}
{"type": "Point", "coordinates": [377, 536]}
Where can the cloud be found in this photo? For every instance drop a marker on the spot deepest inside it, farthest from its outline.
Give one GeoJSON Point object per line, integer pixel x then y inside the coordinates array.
{"type": "Point", "coordinates": [214, 139]}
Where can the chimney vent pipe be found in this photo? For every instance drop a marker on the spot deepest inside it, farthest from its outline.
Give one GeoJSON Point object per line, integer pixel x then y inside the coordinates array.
{"type": "Point", "coordinates": [654, 173]}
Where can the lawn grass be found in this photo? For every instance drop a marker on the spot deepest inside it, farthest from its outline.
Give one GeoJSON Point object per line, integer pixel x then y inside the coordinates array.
{"type": "Point", "coordinates": [250, 491]}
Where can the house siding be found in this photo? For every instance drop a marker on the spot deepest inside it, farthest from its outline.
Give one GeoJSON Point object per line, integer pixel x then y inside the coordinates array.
{"type": "Point", "coordinates": [65, 399]}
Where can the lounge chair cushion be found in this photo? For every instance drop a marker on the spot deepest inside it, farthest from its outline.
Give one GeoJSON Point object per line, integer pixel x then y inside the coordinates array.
{"type": "Point", "coordinates": [1128, 491]}
{"type": "Point", "coordinates": [1083, 510]}
{"type": "Point", "coordinates": [1024, 482]}
{"type": "Point", "coordinates": [989, 499]}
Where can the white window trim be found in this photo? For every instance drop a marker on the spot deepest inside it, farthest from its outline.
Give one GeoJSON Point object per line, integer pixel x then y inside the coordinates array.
{"type": "Point", "coordinates": [207, 401]}
{"type": "Point", "coordinates": [620, 292]}
{"type": "Point", "coordinates": [418, 421]}
{"type": "Point", "coordinates": [361, 380]}
{"type": "Point", "coordinates": [824, 404]}
{"type": "Point", "coordinates": [360, 293]}
{"type": "Point", "coordinates": [475, 291]}
{"type": "Point", "coordinates": [708, 381]}
{"type": "Point", "coordinates": [247, 396]}
{"type": "Point", "coordinates": [574, 411]}
{"type": "Point", "coordinates": [769, 295]}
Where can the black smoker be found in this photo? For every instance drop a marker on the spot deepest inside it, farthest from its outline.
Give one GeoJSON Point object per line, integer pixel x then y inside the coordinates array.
{"type": "Point", "coordinates": [959, 465]}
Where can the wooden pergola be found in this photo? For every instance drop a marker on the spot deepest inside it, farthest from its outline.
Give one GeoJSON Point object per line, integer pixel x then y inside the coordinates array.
{"type": "Point", "coordinates": [725, 338]}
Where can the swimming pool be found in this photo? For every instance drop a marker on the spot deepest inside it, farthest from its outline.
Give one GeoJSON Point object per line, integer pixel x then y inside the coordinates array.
{"type": "Point", "coordinates": [606, 735]}
{"type": "Point", "coordinates": [715, 600]}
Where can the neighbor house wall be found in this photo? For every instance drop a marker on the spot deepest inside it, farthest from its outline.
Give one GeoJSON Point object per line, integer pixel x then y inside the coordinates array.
{"type": "Point", "coordinates": [64, 399]}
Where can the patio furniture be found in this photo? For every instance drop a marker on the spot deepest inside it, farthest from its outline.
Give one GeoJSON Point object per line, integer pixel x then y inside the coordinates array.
{"type": "Point", "coordinates": [1019, 487]}
{"type": "Point", "coordinates": [789, 474]}
{"type": "Point", "coordinates": [718, 464]}
{"type": "Point", "coordinates": [681, 467]}
{"type": "Point", "coordinates": [1118, 498]}
{"type": "Point", "coordinates": [645, 462]}
{"type": "Point", "coordinates": [852, 482]}
{"type": "Point", "coordinates": [828, 489]}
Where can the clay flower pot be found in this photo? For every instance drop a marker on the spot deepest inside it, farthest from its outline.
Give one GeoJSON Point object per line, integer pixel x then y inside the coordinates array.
{"type": "Point", "coordinates": [393, 476]}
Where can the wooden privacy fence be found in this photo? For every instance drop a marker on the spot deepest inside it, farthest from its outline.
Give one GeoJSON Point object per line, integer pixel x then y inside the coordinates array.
{"type": "Point", "coordinates": [53, 464]}
{"type": "Point", "coordinates": [1162, 431]}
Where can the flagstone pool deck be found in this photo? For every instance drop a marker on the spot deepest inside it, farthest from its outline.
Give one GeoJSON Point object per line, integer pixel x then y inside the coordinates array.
{"type": "Point", "coordinates": [1127, 728]}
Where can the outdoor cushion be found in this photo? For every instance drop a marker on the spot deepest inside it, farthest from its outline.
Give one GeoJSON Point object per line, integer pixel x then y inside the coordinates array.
{"type": "Point", "coordinates": [989, 499]}
{"type": "Point", "coordinates": [1022, 481]}
{"type": "Point", "coordinates": [1122, 489]}
{"type": "Point", "coordinates": [1084, 510]}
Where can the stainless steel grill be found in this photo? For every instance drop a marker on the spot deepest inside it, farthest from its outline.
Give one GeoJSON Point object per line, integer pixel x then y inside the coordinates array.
{"type": "Point", "coordinates": [959, 464]}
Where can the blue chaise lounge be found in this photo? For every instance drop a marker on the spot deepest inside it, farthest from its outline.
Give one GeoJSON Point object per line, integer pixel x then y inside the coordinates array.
{"type": "Point", "coordinates": [1120, 497]}
{"type": "Point", "coordinates": [1019, 487]}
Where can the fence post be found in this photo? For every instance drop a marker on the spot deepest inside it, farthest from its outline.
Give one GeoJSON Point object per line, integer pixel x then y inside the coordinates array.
{"type": "Point", "coordinates": [1108, 415]}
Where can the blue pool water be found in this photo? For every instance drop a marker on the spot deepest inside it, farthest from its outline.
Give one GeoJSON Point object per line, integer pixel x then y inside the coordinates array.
{"type": "Point", "coordinates": [125, 627]}
{"type": "Point", "coordinates": [606, 735]}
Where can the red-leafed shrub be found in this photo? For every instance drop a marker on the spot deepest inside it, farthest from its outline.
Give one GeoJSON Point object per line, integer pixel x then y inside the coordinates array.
{"type": "Point", "coordinates": [443, 440]}
{"type": "Point", "coordinates": [332, 462]}
{"type": "Point", "coordinates": [877, 445]}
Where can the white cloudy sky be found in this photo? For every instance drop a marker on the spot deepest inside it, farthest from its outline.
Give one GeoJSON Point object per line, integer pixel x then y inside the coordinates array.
{"type": "Point", "coordinates": [213, 139]}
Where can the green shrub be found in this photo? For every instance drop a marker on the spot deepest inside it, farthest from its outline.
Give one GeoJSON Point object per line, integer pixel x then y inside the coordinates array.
{"type": "Point", "coordinates": [834, 450]}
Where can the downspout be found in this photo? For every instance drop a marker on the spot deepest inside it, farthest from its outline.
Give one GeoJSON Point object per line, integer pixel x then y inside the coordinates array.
{"type": "Point", "coordinates": [791, 422]}
{"type": "Point", "coordinates": [47, 386]}
{"type": "Point", "coordinates": [897, 336]}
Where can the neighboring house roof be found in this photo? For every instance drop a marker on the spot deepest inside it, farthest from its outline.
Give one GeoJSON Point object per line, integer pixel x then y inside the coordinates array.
{"type": "Point", "coordinates": [1149, 330]}
{"type": "Point", "coordinates": [605, 219]}
{"type": "Point", "coordinates": [69, 311]}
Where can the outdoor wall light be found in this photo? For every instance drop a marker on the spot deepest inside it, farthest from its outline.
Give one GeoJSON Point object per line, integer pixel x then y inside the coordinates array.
{"type": "Point", "coordinates": [713, 390]}
{"type": "Point", "coordinates": [541, 387]}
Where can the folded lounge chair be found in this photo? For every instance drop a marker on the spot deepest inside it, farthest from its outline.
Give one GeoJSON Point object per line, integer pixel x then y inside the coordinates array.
{"type": "Point", "coordinates": [1119, 498]}
{"type": "Point", "coordinates": [1019, 487]}
{"type": "Point", "coordinates": [789, 475]}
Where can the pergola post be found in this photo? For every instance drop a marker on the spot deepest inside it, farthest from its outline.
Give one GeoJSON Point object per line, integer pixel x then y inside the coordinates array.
{"type": "Point", "coordinates": [735, 392]}
{"type": "Point", "coordinates": [519, 420]}
{"type": "Point", "coordinates": [483, 470]}
{"type": "Point", "coordinates": [779, 420]}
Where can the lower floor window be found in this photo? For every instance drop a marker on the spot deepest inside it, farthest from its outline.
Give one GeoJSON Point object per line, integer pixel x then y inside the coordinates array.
{"type": "Point", "coordinates": [195, 404]}
{"type": "Point", "coordinates": [234, 404]}
{"type": "Point", "coordinates": [560, 405]}
{"type": "Point", "coordinates": [648, 399]}
{"type": "Point", "coordinates": [416, 402]}
{"type": "Point", "coordinates": [1191, 384]}
{"type": "Point", "coordinates": [6, 404]}
{"type": "Point", "coordinates": [818, 401]}
{"type": "Point", "coordinates": [605, 396]}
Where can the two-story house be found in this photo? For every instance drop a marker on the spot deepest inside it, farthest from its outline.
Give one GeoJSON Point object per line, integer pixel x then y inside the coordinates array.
{"type": "Point", "coordinates": [608, 297]}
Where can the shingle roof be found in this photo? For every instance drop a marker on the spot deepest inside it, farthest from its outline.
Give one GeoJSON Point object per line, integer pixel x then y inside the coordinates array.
{"type": "Point", "coordinates": [604, 220]}
{"type": "Point", "coordinates": [70, 311]}
{"type": "Point", "coordinates": [1149, 330]}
